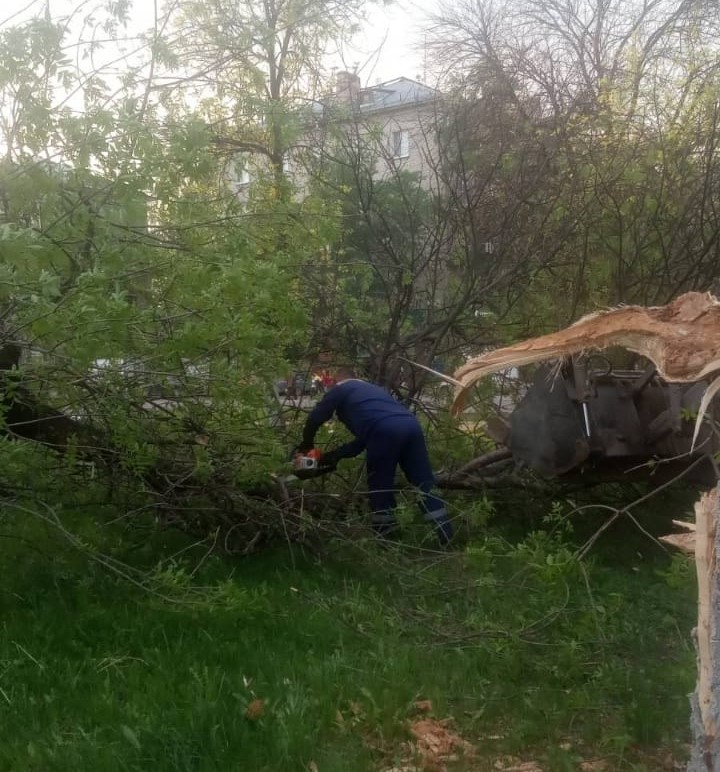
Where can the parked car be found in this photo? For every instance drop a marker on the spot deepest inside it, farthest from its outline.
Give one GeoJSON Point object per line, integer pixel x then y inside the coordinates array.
{"type": "Point", "coordinates": [299, 384]}
{"type": "Point", "coordinates": [193, 380]}
{"type": "Point", "coordinates": [281, 387]}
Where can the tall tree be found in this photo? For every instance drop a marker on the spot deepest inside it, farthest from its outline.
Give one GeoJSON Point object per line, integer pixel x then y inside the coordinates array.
{"type": "Point", "coordinates": [628, 168]}
{"type": "Point", "coordinates": [261, 61]}
{"type": "Point", "coordinates": [130, 272]}
{"type": "Point", "coordinates": [420, 257]}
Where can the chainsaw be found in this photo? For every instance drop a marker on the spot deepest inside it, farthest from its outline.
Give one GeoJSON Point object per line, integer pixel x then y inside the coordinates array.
{"type": "Point", "coordinates": [310, 464]}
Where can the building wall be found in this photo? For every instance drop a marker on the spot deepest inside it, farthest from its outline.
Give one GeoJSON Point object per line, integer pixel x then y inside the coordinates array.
{"type": "Point", "coordinates": [417, 124]}
{"type": "Point", "coordinates": [400, 135]}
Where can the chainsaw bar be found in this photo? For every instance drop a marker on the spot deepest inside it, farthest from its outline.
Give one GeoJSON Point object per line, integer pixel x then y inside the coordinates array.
{"type": "Point", "coordinates": [307, 474]}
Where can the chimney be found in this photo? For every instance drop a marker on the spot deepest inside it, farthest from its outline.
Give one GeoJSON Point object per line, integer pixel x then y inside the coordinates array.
{"type": "Point", "coordinates": [347, 87]}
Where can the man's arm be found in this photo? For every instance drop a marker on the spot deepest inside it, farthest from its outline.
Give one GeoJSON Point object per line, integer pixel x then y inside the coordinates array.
{"type": "Point", "coordinates": [321, 413]}
{"type": "Point", "coordinates": [349, 449]}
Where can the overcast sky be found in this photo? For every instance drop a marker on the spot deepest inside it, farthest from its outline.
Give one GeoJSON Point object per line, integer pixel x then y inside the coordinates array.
{"type": "Point", "coordinates": [386, 49]}
{"type": "Point", "coordinates": [396, 30]}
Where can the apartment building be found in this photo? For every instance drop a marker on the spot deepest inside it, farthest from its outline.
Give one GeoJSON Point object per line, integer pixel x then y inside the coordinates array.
{"type": "Point", "coordinates": [393, 125]}
{"type": "Point", "coordinates": [395, 121]}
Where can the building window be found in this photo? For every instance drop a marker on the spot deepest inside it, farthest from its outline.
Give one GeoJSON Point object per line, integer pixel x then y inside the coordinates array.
{"type": "Point", "coordinates": [240, 173]}
{"type": "Point", "coordinates": [400, 144]}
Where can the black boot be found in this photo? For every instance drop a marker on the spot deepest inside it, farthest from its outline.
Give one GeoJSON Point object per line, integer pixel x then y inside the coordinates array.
{"type": "Point", "coordinates": [441, 524]}
{"type": "Point", "coordinates": [385, 525]}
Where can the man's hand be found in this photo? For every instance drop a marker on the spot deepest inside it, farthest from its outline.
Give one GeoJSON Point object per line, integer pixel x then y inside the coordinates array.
{"type": "Point", "coordinates": [331, 458]}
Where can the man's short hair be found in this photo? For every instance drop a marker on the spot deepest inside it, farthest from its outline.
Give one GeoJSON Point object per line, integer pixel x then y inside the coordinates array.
{"type": "Point", "coordinates": [344, 373]}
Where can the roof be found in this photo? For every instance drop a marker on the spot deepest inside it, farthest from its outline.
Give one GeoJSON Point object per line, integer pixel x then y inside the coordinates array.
{"type": "Point", "coordinates": [398, 92]}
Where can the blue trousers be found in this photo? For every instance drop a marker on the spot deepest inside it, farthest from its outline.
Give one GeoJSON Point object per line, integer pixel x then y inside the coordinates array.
{"type": "Point", "coordinates": [400, 442]}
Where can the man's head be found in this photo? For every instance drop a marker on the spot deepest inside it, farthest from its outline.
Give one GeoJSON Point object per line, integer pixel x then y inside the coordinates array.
{"type": "Point", "coordinates": [344, 374]}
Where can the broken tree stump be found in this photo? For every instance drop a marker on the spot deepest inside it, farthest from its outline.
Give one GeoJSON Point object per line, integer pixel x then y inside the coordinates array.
{"type": "Point", "coordinates": [705, 702]}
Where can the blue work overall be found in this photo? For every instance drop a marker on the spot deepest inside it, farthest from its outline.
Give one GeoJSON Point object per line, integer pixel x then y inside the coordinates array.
{"type": "Point", "coordinates": [399, 441]}
{"type": "Point", "coordinates": [392, 437]}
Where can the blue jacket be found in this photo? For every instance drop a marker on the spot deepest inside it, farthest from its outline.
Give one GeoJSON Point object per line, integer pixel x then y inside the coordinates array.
{"type": "Point", "coordinates": [360, 406]}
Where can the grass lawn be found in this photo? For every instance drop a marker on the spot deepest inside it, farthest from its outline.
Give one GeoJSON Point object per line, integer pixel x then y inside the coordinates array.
{"type": "Point", "coordinates": [289, 661]}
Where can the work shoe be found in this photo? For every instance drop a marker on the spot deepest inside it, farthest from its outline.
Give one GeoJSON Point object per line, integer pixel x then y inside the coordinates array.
{"type": "Point", "coordinates": [385, 525]}
{"type": "Point", "coordinates": [441, 525]}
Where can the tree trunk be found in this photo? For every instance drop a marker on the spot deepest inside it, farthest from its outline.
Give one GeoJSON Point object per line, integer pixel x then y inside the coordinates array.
{"type": "Point", "coordinates": [705, 701]}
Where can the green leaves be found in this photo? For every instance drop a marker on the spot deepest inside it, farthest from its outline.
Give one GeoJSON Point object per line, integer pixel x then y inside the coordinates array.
{"type": "Point", "coordinates": [130, 272]}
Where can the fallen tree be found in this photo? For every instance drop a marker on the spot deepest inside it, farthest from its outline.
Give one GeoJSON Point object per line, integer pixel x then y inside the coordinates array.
{"type": "Point", "coordinates": [682, 340]}
{"type": "Point", "coordinates": [188, 481]}
{"type": "Point", "coordinates": [583, 415]}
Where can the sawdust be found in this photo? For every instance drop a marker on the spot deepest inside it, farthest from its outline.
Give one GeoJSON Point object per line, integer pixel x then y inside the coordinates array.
{"type": "Point", "coordinates": [682, 339]}
{"type": "Point", "coordinates": [511, 764]}
{"type": "Point", "coordinates": [255, 710]}
{"type": "Point", "coordinates": [434, 745]}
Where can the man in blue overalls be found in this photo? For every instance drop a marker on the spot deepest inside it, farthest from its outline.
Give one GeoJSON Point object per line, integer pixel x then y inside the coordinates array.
{"type": "Point", "coordinates": [391, 435]}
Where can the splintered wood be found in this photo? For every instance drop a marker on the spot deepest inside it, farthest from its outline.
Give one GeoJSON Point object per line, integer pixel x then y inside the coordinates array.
{"type": "Point", "coordinates": [701, 540]}
{"type": "Point", "coordinates": [705, 513]}
{"type": "Point", "coordinates": [706, 700]}
{"type": "Point", "coordinates": [685, 542]}
{"type": "Point", "coordinates": [682, 339]}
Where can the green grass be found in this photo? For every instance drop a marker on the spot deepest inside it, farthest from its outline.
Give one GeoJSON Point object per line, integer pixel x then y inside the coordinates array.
{"type": "Point", "coordinates": [531, 653]}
